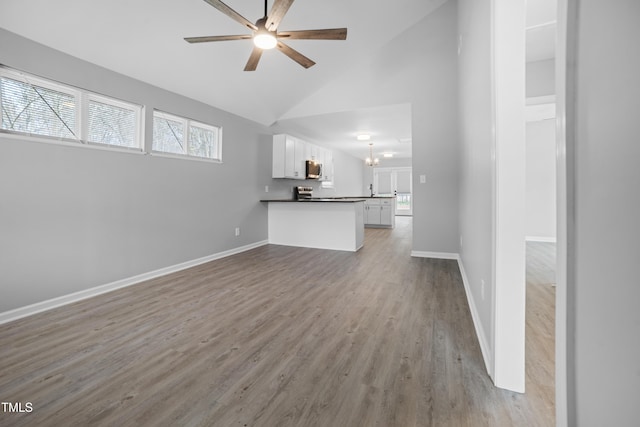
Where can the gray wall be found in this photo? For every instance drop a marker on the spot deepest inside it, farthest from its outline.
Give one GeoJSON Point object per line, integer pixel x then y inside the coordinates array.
{"type": "Point", "coordinates": [73, 218]}
{"type": "Point", "coordinates": [604, 241]}
{"type": "Point", "coordinates": [434, 125]}
{"type": "Point", "coordinates": [476, 139]}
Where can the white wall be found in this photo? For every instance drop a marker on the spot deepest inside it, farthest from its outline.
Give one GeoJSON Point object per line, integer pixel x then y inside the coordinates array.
{"type": "Point", "coordinates": [603, 288]}
{"type": "Point", "coordinates": [541, 181]}
{"type": "Point", "coordinates": [540, 80]}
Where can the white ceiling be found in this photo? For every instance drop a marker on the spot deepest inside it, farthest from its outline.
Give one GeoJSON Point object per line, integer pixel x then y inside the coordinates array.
{"type": "Point", "coordinates": [143, 39]}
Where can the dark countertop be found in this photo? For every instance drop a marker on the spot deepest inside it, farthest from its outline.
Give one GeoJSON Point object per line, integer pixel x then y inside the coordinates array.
{"type": "Point", "coordinates": [319, 199]}
{"type": "Point", "coordinates": [330, 199]}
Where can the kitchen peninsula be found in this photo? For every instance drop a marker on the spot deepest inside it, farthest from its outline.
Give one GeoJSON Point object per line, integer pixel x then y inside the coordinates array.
{"type": "Point", "coordinates": [323, 223]}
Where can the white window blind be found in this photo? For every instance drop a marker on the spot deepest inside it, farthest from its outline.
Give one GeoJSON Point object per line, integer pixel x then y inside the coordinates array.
{"type": "Point", "coordinates": [168, 134]}
{"type": "Point", "coordinates": [35, 109]}
{"type": "Point", "coordinates": [178, 135]}
{"type": "Point", "coordinates": [40, 107]}
{"type": "Point", "coordinates": [113, 123]}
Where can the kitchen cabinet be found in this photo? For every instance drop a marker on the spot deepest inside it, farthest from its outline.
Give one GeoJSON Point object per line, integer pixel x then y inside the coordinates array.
{"type": "Point", "coordinates": [327, 224]}
{"type": "Point", "coordinates": [290, 155]}
{"type": "Point", "coordinates": [326, 159]}
{"type": "Point", "coordinates": [380, 212]}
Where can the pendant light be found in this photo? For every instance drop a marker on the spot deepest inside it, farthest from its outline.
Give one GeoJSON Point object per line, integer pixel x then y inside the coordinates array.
{"type": "Point", "coordinates": [371, 161]}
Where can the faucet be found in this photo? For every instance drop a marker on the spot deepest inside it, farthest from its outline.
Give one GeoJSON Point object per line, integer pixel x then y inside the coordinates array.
{"type": "Point", "coordinates": [371, 189]}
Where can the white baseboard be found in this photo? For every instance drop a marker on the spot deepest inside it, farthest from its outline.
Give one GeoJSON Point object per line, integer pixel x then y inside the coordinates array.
{"type": "Point", "coordinates": [540, 239]}
{"type": "Point", "coordinates": [438, 255]}
{"type": "Point", "coordinates": [482, 338]}
{"type": "Point", "coordinates": [39, 307]}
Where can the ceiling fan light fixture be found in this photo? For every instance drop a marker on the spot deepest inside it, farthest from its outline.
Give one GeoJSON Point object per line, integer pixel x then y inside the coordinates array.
{"type": "Point", "coordinates": [264, 39]}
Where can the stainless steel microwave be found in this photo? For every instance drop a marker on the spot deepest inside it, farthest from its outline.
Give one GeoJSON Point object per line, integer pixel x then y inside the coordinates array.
{"type": "Point", "coordinates": [313, 170]}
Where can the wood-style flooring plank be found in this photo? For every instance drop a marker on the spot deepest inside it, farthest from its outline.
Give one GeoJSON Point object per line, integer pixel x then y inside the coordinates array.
{"type": "Point", "coordinates": [276, 336]}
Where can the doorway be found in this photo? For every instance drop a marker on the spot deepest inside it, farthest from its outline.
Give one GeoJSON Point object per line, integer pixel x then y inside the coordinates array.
{"type": "Point", "coordinates": [395, 181]}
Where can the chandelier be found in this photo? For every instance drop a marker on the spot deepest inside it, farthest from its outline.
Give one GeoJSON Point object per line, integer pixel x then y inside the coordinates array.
{"type": "Point", "coordinates": [371, 161]}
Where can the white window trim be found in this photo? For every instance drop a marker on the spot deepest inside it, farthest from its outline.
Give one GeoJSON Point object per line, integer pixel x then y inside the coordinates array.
{"type": "Point", "coordinates": [47, 84]}
{"type": "Point", "coordinates": [186, 123]}
{"type": "Point", "coordinates": [81, 124]}
{"type": "Point", "coordinates": [137, 109]}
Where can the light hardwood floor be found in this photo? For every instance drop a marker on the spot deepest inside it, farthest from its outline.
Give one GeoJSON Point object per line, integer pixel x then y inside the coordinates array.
{"type": "Point", "coordinates": [540, 324]}
{"type": "Point", "coordinates": [276, 336]}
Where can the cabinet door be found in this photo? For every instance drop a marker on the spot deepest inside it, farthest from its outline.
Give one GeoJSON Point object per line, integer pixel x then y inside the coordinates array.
{"type": "Point", "coordinates": [372, 213]}
{"type": "Point", "coordinates": [327, 166]}
{"type": "Point", "coordinates": [385, 215]}
{"type": "Point", "coordinates": [299, 171]}
{"type": "Point", "coordinates": [289, 157]}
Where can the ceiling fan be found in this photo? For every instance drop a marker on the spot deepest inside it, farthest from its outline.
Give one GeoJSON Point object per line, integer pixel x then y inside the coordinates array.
{"type": "Point", "coordinates": [265, 34]}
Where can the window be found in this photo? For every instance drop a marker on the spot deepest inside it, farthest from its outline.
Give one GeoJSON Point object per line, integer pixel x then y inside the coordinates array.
{"type": "Point", "coordinates": [40, 109]}
{"type": "Point", "coordinates": [35, 106]}
{"type": "Point", "coordinates": [181, 136]}
{"type": "Point", "coordinates": [112, 122]}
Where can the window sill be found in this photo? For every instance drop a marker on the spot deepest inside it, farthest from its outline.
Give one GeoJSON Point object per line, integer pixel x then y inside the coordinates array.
{"type": "Point", "coordinates": [183, 157]}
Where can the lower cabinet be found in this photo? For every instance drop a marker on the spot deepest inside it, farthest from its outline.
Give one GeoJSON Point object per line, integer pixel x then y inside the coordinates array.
{"type": "Point", "coordinates": [380, 212]}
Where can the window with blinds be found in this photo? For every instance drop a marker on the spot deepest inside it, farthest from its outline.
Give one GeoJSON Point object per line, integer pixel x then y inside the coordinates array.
{"type": "Point", "coordinates": [38, 107]}
{"type": "Point", "coordinates": [178, 135]}
{"type": "Point", "coordinates": [112, 122]}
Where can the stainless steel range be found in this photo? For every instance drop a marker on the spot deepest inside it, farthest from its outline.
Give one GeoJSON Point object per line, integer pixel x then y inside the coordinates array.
{"type": "Point", "coordinates": [302, 193]}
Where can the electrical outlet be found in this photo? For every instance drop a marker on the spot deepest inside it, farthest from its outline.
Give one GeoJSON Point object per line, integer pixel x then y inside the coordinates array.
{"type": "Point", "coordinates": [482, 289]}
{"type": "Point", "coordinates": [423, 179]}
{"type": "Point", "coordinates": [237, 231]}
{"type": "Point", "coordinates": [266, 188]}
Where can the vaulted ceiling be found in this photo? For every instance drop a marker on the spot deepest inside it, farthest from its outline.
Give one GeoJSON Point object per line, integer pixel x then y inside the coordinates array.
{"type": "Point", "coordinates": [144, 39]}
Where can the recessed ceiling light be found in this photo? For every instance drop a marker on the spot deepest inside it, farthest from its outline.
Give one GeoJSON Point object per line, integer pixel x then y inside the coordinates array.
{"type": "Point", "coordinates": [363, 137]}
{"type": "Point", "coordinates": [387, 154]}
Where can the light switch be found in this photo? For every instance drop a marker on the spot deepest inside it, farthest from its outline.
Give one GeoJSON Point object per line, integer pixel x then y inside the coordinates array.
{"type": "Point", "coordinates": [423, 179]}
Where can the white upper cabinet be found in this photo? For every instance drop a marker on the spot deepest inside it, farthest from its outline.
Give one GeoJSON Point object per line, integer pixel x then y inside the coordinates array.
{"type": "Point", "coordinates": [290, 155]}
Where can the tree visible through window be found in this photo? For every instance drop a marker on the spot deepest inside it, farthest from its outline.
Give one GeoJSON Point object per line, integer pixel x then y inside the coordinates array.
{"type": "Point", "coordinates": [177, 135]}
{"type": "Point", "coordinates": [37, 106]}
{"type": "Point", "coordinates": [111, 124]}
{"type": "Point", "coordinates": [37, 110]}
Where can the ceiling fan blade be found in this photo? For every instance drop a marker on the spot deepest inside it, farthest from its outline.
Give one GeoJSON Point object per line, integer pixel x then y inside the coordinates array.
{"type": "Point", "coordinates": [232, 13]}
{"type": "Point", "coordinates": [217, 38]}
{"type": "Point", "coordinates": [295, 55]}
{"type": "Point", "coordinates": [278, 10]}
{"type": "Point", "coordinates": [326, 34]}
{"type": "Point", "coordinates": [252, 63]}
